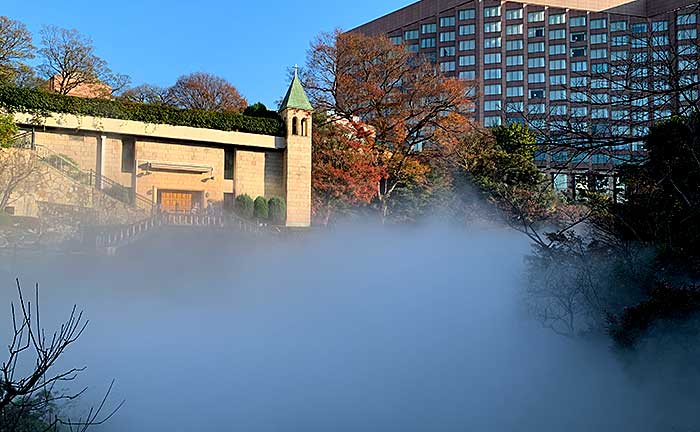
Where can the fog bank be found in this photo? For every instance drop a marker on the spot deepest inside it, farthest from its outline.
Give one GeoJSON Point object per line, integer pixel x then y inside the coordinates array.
{"type": "Point", "coordinates": [362, 329]}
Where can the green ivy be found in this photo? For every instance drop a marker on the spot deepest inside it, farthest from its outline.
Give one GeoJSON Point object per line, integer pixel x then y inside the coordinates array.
{"type": "Point", "coordinates": [14, 99]}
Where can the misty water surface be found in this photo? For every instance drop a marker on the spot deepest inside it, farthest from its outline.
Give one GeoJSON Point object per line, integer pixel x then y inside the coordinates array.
{"type": "Point", "coordinates": [364, 329]}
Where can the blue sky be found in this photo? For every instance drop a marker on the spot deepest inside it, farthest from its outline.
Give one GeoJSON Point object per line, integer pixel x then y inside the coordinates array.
{"type": "Point", "coordinates": [250, 43]}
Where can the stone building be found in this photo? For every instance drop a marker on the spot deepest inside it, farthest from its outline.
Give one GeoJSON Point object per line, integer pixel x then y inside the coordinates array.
{"type": "Point", "coordinates": [179, 168]}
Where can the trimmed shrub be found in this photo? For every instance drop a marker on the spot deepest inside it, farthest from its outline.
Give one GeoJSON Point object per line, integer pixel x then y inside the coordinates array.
{"type": "Point", "coordinates": [261, 208]}
{"type": "Point", "coordinates": [31, 101]}
{"type": "Point", "coordinates": [245, 206]}
{"type": "Point", "coordinates": [277, 211]}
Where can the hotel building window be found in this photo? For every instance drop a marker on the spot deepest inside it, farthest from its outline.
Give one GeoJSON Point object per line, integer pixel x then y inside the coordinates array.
{"type": "Point", "coordinates": [447, 66]}
{"type": "Point", "coordinates": [580, 66]}
{"type": "Point", "coordinates": [515, 76]}
{"type": "Point", "coordinates": [514, 45]}
{"type": "Point", "coordinates": [467, 45]}
{"type": "Point", "coordinates": [447, 37]}
{"type": "Point", "coordinates": [492, 105]}
{"type": "Point", "coordinates": [579, 111]}
{"type": "Point", "coordinates": [492, 27]}
{"type": "Point", "coordinates": [411, 35]}
{"type": "Point", "coordinates": [555, 80]}
{"type": "Point", "coordinates": [468, 60]}
{"type": "Point", "coordinates": [467, 29]}
{"type": "Point", "coordinates": [492, 42]}
{"type": "Point", "coordinates": [514, 29]}
{"type": "Point", "coordinates": [535, 47]}
{"type": "Point", "coordinates": [557, 19]}
{"type": "Point", "coordinates": [557, 95]}
{"type": "Point", "coordinates": [557, 49]}
{"type": "Point", "coordinates": [492, 121]}
{"type": "Point", "coordinates": [494, 89]}
{"type": "Point", "coordinates": [517, 91]}
{"type": "Point", "coordinates": [579, 21]}
{"type": "Point", "coordinates": [494, 11]}
{"type": "Point", "coordinates": [578, 52]}
{"type": "Point", "coordinates": [396, 40]}
{"type": "Point", "coordinates": [516, 60]}
{"type": "Point", "coordinates": [535, 78]}
{"type": "Point", "coordinates": [686, 19]}
{"type": "Point", "coordinates": [492, 58]}
{"type": "Point", "coordinates": [514, 14]}
{"type": "Point", "coordinates": [447, 21]}
{"type": "Point", "coordinates": [616, 26]}
{"type": "Point", "coordinates": [600, 53]}
{"type": "Point", "coordinates": [427, 43]}
{"type": "Point", "coordinates": [579, 37]}
{"type": "Point", "coordinates": [535, 16]}
{"type": "Point", "coordinates": [466, 14]}
{"type": "Point", "coordinates": [536, 62]}
{"type": "Point", "coordinates": [597, 24]}
{"type": "Point", "coordinates": [659, 26]}
{"type": "Point", "coordinates": [447, 51]}
{"type": "Point", "coordinates": [467, 75]}
{"type": "Point", "coordinates": [557, 34]}
{"type": "Point", "coordinates": [492, 74]}
{"type": "Point", "coordinates": [535, 32]}
{"type": "Point", "coordinates": [600, 38]}
{"type": "Point", "coordinates": [428, 28]}
{"type": "Point", "coordinates": [557, 65]}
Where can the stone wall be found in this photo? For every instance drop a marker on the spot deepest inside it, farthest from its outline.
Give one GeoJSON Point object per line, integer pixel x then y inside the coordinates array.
{"type": "Point", "coordinates": [47, 187]}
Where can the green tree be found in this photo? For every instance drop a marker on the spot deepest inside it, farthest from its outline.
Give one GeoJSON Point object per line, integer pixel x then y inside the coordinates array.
{"type": "Point", "coordinates": [8, 130]}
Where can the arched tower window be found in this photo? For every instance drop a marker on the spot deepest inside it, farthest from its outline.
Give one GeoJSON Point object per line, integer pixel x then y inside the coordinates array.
{"type": "Point", "coordinates": [304, 130]}
{"type": "Point", "coordinates": [295, 126]}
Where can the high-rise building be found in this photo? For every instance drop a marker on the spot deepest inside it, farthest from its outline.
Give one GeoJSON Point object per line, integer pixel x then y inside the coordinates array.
{"type": "Point", "coordinates": [598, 67]}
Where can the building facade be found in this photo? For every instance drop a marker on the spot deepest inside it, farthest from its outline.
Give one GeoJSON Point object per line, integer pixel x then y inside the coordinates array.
{"type": "Point", "coordinates": [568, 64]}
{"type": "Point", "coordinates": [172, 168]}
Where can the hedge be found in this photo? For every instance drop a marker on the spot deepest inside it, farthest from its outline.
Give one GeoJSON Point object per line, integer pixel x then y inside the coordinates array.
{"type": "Point", "coordinates": [277, 211]}
{"type": "Point", "coordinates": [245, 206]}
{"type": "Point", "coordinates": [261, 208]}
{"type": "Point", "coordinates": [14, 99]}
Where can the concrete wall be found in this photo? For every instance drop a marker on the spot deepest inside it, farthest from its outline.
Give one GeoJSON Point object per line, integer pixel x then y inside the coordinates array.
{"type": "Point", "coordinates": [149, 182]}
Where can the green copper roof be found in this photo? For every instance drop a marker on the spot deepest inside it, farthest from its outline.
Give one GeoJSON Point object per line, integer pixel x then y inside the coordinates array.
{"type": "Point", "coordinates": [296, 97]}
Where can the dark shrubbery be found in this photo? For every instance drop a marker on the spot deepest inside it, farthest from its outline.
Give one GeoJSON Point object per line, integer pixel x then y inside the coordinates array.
{"type": "Point", "coordinates": [666, 304]}
{"type": "Point", "coordinates": [244, 206]}
{"type": "Point", "coordinates": [15, 99]}
{"type": "Point", "coordinates": [260, 110]}
{"type": "Point", "coordinates": [277, 211]}
{"type": "Point", "coordinates": [261, 208]}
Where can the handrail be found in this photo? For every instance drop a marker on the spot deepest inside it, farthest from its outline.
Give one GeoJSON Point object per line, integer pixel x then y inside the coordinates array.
{"type": "Point", "coordinates": [112, 238]}
{"type": "Point", "coordinates": [90, 178]}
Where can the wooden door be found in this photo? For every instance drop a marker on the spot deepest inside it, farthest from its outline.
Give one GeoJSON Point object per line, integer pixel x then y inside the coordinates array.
{"type": "Point", "coordinates": [176, 202]}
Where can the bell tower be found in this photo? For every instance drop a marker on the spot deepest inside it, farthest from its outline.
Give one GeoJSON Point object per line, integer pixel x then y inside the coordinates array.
{"type": "Point", "coordinates": [296, 112]}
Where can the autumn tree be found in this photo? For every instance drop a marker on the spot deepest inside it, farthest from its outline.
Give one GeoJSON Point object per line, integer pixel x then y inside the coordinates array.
{"type": "Point", "coordinates": [345, 169]}
{"type": "Point", "coordinates": [208, 92]}
{"type": "Point", "coordinates": [69, 58]}
{"type": "Point", "coordinates": [15, 48]}
{"type": "Point", "coordinates": [403, 97]}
